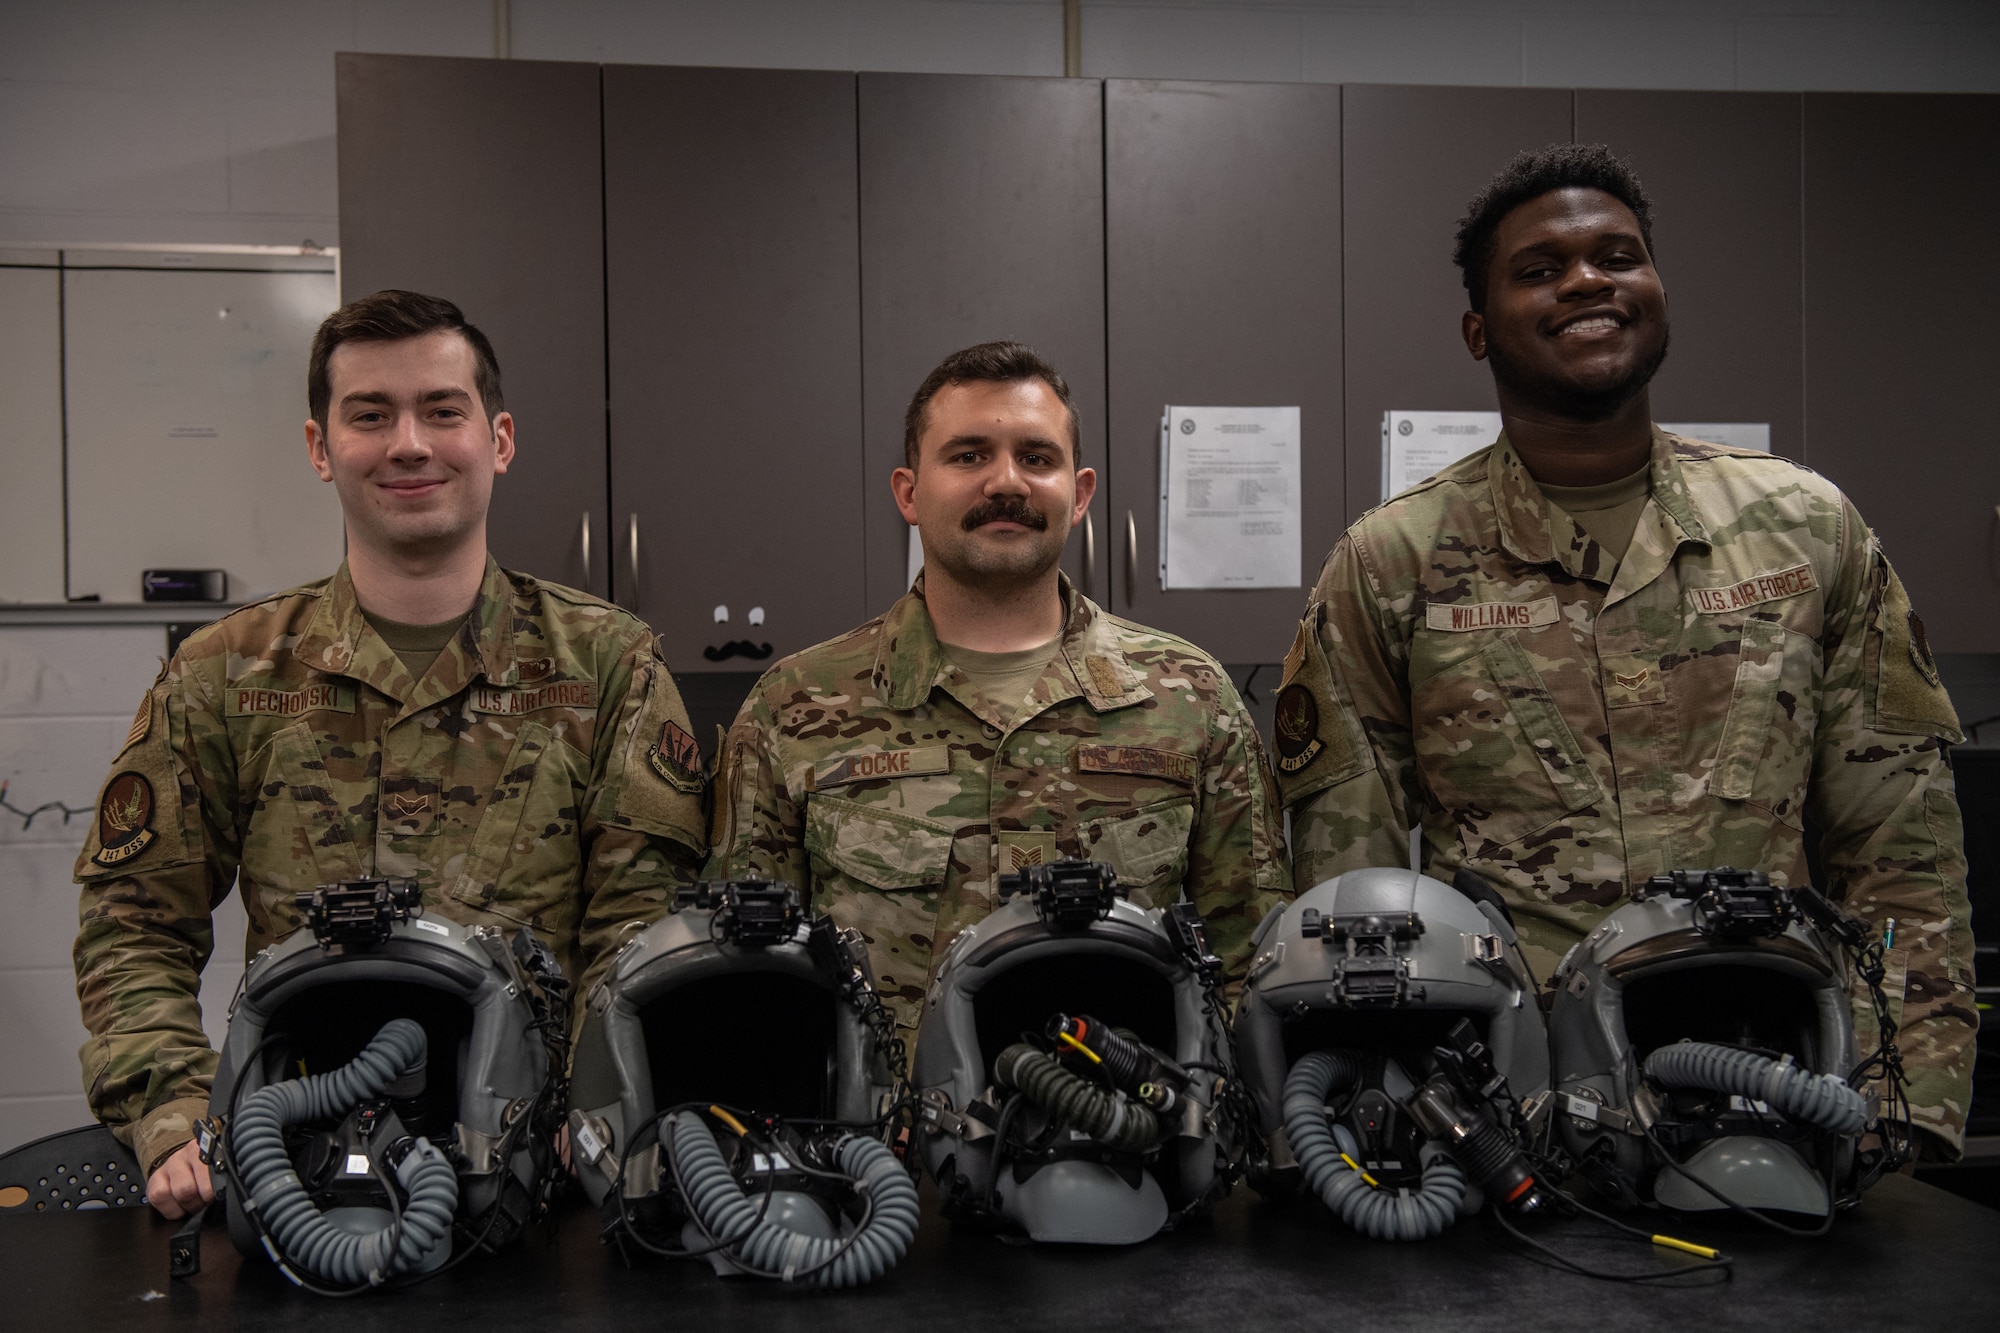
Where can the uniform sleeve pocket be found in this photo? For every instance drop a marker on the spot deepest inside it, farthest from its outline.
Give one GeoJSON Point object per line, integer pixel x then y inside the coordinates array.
{"type": "Point", "coordinates": [1148, 849]}
{"type": "Point", "coordinates": [878, 848]}
{"type": "Point", "coordinates": [1767, 738]}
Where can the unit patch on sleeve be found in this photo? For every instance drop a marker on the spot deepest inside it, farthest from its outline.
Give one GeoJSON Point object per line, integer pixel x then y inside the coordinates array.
{"type": "Point", "coordinates": [124, 819]}
{"type": "Point", "coordinates": [1297, 727]}
{"type": "Point", "coordinates": [1137, 760]}
{"type": "Point", "coordinates": [677, 758]}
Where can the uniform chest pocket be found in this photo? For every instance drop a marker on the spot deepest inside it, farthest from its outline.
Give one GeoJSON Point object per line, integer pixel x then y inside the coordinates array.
{"type": "Point", "coordinates": [1148, 848]}
{"type": "Point", "coordinates": [1493, 746]}
{"type": "Point", "coordinates": [872, 847]}
{"type": "Point", "coordinates": [524, 859]}
{"type": "Point", "coordinates": [1765, 755]}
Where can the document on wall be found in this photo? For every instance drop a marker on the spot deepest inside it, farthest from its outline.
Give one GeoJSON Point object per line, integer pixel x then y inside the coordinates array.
{"type": "Point", "coordinates": [1737, 434]}
{"type": "Point", "coordinates": [1419, 445]}
{"type": "Point", "coordinates": [1229, 497]}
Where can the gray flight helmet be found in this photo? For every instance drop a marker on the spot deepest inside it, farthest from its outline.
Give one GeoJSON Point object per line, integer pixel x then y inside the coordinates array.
{"type": "Point", "coordinates": [307, 1009]}
{"type": "Point", "coordinates": [695, 1011]}
{"type": "Point", "coordinates": [1319, 981]}
{"type": "Point", "coordinates": [1659, 1003]}
{"type": "Point", "coordinates": [1006, 977]}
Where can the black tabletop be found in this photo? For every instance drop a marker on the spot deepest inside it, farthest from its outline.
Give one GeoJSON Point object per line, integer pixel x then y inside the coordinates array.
{"type": "Point", "coordinates": [1912, 1256]}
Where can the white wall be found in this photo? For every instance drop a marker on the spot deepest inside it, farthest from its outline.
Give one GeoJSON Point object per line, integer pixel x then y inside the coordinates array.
{"type": "Point", "coordinates": [213, 120]}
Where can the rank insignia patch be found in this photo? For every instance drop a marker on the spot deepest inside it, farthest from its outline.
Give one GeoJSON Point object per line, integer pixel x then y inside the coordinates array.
{"type": "Point", "coordinates": [124, 819]}
{"type": "Point", "coordinates": [1297, 726]}
{"type": "Point", "coordinates": [677, 758]}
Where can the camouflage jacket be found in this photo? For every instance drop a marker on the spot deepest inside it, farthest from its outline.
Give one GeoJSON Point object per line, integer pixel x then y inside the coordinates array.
{"type": "Point", "coordinates": [540, 773]}
{"type": "Point", "coordinates": [1472, 662]}
{"type": "Point", "coordinates": [867, 772]}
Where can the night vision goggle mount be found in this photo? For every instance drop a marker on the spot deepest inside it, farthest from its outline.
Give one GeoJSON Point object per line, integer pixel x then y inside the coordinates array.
{"type": "Point", "coordinates": [358, 913]}
{"type": "Point", "coordinates": [752, 913]}
{"type": "Point", "coordinates": [1068, 894]}
{"type": "Point", "coordinates": [1374, 970]}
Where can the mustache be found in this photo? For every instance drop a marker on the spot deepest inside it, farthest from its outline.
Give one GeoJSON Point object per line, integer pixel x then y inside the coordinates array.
{"type": "Point", "coordinates": [1006, 509]}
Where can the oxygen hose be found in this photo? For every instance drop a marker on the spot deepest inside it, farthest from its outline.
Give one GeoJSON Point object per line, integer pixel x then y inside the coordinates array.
{"type": "Point", "coordinates": [1075, 1101]}
{"type": "Point", "coordinates": [725, 1212]}
{"type": "Point", "coordinates": [276, 1197]}
{"type": "Point", "coordinates": [1381, 1213]}
{"type": "Point", "coordinates": [1821, 1100]}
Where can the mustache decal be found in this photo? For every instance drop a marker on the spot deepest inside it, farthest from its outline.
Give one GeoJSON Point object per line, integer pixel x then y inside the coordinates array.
{"type": "Point", "coordinates": [737, 648]}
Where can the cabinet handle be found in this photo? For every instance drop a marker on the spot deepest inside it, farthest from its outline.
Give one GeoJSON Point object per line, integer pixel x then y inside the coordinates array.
{"type": "Point", "coordinates": [1089, 557]}
{"type": "Point", "coordinates": [632, 553]}
{"type": "Point", "coordinates": [1131, 560]}
{"type": "Point", "coordinates": [586, 550]}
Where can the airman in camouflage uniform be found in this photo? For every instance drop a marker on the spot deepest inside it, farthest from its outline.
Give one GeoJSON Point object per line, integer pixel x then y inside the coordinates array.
{"type": "Point", "coordinates": [523, 781]}
{"type": "Point", "coordinates": [516, 748]}
{"type": "Point", "coordinates": [996, 718]}
{"type": "Point", "coordinates": [1567, 722]}
{"type": "Point", "coordinates": [867, 772]}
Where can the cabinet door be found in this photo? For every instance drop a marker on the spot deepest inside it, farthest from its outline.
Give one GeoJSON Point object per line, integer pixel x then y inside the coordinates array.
{"type": "Point", "coordinates": [481, 181]}
{"type": "Point", "coordinates": [1722, 170]}
{"type": "Point", "coordinates": [31, 428]}
{"type": "Point", "coordinates": [1900, 197]}
{"type": "Point", "coordinates": [982, 218]}
{"type": "Point", "coordinates": [735, 318]}
{"type": "Point", "coordinates": [1413, 158]}
{"type": "Point", "coordinates": [1223, 221]}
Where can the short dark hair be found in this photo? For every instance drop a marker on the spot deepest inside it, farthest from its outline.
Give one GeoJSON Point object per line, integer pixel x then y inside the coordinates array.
{"type": "Point", "coordinates": [389, 316]}
{"type": "Point", "coordinates": [994, 363]}
{"type": "Point", "coordinates": [1527, 178]}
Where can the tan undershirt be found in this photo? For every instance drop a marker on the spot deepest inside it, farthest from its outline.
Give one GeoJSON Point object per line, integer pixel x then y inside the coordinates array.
{"type": "Point", "coordinates": [1609, 513]}
{"type": "Point", "coordinates": [417, 645]}
{"type": "Point", "coordinates": [1002, 680]}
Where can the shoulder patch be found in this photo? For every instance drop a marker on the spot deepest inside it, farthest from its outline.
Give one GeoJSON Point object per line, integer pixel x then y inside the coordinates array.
{"type": "Point", "coordinates": [1316, 738]}
{"type": "Point", "coordinates": [1139, 761]}
{"type": "Point", "coordinates": [1297, 726]}
{"type": "Point", "coordinates": [677, 758]}
{"type": "Point", "coordinates": [124, 818]}
{"type": "Point", "coordinates": [1906, 693]}
{"type": "Point", "coordinates": [141, 724]}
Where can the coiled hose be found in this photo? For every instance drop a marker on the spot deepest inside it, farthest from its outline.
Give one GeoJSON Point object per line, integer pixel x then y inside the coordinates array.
{"type": "Point", "coordinates": [1381, 1213]}
{"type": "Point", "coordinates": [1075, 1101]}
{"type": "Point", "coordinates": [1822, 1100]}
{"type": "Point", "coordinates": [726, 1212]}
{"type": "Point", "coordinates": [275, 1196]}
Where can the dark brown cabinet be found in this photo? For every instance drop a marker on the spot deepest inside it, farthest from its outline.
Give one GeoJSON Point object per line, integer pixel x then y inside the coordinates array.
{"type": "Point", "coordinates": [1412, 159]}
{"type": "Point", "coordinates": [1223, 221]}
{"type": "Point", "coordinates": [735, 353]}
{"type": "Point", "coordinates": [1901, 283]}
{"type": "Point", "coordinates": [481, 181]}
{"type": "Point", "coordinates": [1722, 170]}
{"type": "Point", "coordinates": [982, 218]}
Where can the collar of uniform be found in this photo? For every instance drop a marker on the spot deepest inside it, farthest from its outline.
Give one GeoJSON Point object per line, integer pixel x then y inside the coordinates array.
{"type": "Point", "coordinates": [1536, 532]}
{"type": "Point", "coordinates": [910, 663]}
{"type": "Point", "coordinates": [337, 638]}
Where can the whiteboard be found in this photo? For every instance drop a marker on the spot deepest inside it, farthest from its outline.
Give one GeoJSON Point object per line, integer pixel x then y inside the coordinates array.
{"type": "Point", "coordinates": [31, 461]}
{"type": "Point", "coordinates": [187, 404]}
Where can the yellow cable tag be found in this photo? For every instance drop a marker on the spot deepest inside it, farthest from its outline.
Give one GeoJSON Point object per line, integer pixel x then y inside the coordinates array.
{"type": "Point", "coordinates": [730, 1121]}
{"type": "Point", "coordinates": [1686, 1247]}
{"type": "Point", "coordinates": [1076, 1045]}
{"type": "Point", "coordinates": [1373, 1183]}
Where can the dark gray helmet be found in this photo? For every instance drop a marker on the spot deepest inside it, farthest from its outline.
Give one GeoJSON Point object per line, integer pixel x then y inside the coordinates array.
{"type": "Point", "coordinates": [1068, 1063]}
{"type": "Point", "coordinates": [737, 1011]}
{"type": "Point", "coordinates": [1381, 1008]}
{"type": "Point", "coordinates": [1703, 1040]}
{"type": "Point", "coordinates": [392, 1045]}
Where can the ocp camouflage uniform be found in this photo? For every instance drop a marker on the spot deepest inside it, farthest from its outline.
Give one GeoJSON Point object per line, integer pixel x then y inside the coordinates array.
{"type": "Point", "coordinates": [868, 772]}
{"type": "Point", "coordinates": [1471, 660]}
{"type": "Point", "coordinates": [541, 773]}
